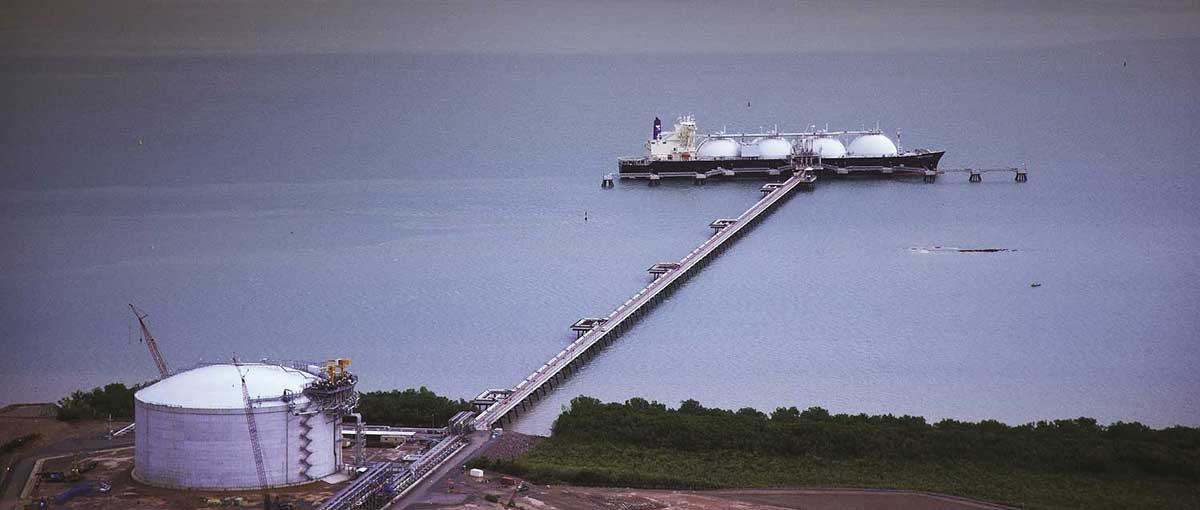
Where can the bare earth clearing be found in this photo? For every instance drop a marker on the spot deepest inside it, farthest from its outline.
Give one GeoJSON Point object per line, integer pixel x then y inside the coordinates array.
{"type": "Point", "coordinates": [115, 467]}
{"type": "Point", "coordinates": [461, 492]}
{"type": "Point", "coordinates": [21, 419]}
{"type": "Point", "coordinates": [469, 494]}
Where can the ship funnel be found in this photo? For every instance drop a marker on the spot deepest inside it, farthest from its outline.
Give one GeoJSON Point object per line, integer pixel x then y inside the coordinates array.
{"type": "Point", "coordinates": [657, 128]}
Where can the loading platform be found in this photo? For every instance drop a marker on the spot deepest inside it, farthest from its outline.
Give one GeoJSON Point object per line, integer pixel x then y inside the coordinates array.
{"type": "Point", "coordinates": [594, 333]}
{"type": "Point", "coordinates": [662, 268]}
{"type": "Point", "coordinates": [583, 326]}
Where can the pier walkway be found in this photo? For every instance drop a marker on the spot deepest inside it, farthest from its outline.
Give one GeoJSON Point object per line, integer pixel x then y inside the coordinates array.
{"type": "Point", "coordinates": [596, 332]}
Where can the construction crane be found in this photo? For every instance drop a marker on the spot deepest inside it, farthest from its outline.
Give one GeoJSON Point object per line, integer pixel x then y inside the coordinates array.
{"type": "Point", "coordinates": [158, 359]}
{"type": "Point", "coordinates": [252, 427]}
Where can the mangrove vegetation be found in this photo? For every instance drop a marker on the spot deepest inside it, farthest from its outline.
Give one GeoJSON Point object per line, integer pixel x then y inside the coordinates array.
{"type": "Point", "coordinates": [1074, 463]}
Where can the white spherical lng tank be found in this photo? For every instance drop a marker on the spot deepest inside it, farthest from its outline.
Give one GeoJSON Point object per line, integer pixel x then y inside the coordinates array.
{"type": "Point", "coordinates": [828, 147]}
{"type": "Point", "coordinates": [872, 145]}
{"type": "Point", "coordinates": [192, 430]}
{"type": "Point", "coordinates": [774, 148]}
{"type": "Point", "coordinates": [719, 148]}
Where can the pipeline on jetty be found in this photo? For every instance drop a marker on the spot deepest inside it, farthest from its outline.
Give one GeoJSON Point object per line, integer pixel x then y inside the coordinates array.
{"type": "Point", "coordinates": [595, 332]}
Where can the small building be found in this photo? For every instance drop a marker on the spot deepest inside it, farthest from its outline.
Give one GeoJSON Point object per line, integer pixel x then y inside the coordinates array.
{"type": "Point", "coordinates": [379, 436]}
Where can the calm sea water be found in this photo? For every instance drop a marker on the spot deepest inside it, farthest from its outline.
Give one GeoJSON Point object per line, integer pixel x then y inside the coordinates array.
{"type": "Point", "coordinates": [424, 216]}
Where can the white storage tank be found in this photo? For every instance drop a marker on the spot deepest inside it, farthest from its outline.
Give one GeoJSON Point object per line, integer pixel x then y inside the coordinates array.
{"type": "Point", "coordinates": [719, 148]}
{"type": "Point", "coordinates": [872, 145]}
{"type": "Point", "coordinates": [827, 147]}
{"type": "Point", "coordinates": [192, 429]}
{"type": "Point", "coordinates": [774, 148]}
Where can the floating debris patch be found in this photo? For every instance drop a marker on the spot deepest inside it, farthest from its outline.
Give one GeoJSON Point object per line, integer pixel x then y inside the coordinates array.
{"type": "Point", "coordinates": [952, 249]}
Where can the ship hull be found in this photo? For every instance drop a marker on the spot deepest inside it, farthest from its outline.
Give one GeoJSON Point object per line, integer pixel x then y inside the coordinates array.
{"type": "Point", "coordinates": [923, 161]}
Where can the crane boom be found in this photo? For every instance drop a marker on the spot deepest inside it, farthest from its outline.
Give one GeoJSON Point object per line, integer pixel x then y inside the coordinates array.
{"type": "Point", "coordinates": [159, 362]}
{"type": "Point", "coordinates": [252, 428]}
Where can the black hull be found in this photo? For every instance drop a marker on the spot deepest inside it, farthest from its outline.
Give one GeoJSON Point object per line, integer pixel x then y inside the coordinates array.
{"type": "Point", "coordinates": [925, 161]}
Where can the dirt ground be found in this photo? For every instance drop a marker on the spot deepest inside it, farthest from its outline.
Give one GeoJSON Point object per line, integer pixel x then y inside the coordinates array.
{"type": "Point", "coordinates": [390, 454]}
{"type": "Point", "coordinates": [511, 445]}
{"type": "Point", "coordinates": [21, 419]}
{"type": "Point", "coordinates": [470, 494]}
{"type": "Point", "coordinates": [114, 467]}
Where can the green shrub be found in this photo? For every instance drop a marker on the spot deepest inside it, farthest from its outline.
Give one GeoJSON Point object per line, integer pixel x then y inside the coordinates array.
{"type": "Point", "coordinates": [113, 400]}
{"type": "Point", "coordinates": [409, 408]}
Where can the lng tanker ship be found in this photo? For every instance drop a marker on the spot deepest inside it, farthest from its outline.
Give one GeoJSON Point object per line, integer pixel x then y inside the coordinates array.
{"type": "Point", "coordinates": [685, 150]}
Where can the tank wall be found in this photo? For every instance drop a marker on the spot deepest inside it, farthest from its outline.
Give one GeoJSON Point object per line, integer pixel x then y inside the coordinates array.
{"type": "Point", "coordinates": [190, 448]}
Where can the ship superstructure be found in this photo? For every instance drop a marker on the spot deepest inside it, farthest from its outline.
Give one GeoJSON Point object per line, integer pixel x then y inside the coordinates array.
{"type": "Point", "coordinates": [684, 149]}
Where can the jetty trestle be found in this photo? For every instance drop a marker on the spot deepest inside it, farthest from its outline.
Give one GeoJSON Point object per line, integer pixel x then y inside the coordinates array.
{"type": "Point", "coordinates": [594, 333]}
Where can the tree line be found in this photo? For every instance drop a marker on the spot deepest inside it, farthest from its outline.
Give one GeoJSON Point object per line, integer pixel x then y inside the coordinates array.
{"type": "Point", "coordinates": [411, 407]}
{"type": "Point", "coordinates": [1072, 464]}
{"type": "Point", "coordinates": [1071, 445]}
{"type": "Point", "coordinates": [111, 400]}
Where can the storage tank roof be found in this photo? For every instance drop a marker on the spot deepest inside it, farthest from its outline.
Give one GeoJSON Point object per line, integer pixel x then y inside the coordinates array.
{"type": "Point", "coordinates": [220, 386]}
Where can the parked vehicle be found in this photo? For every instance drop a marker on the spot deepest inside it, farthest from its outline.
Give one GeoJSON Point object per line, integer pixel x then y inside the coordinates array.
{"type": "Point", "coordinates": [77, 490]}
{"type": "Point", "coordinates": [53, 476]}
